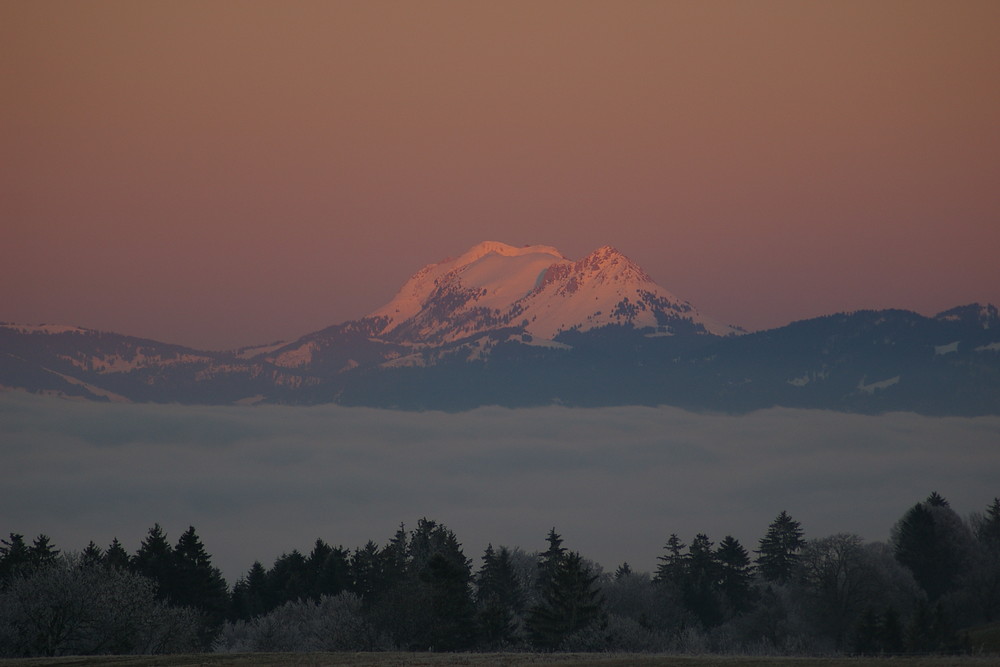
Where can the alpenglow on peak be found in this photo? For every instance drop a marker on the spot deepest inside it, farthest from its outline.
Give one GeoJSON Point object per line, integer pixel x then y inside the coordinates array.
{"type": "Point", "coordinates": [537, 290]}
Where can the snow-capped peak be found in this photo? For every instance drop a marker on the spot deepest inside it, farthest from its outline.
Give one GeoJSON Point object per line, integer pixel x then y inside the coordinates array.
{"type": "Point", "coordinates": [494, 285]}
{"type": "Point", "coordinates": [495, 247]}
{"type": "Point", "coordinates": [497, 272]}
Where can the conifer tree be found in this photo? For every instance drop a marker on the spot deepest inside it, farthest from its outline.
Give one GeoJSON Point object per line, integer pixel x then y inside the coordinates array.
{"type": "Point", "coordinates": [247, 599]}
{"type": "Point", "coordinates": [930, 540]}
{"type": "Point", "coordinates": [700, 588]}
{"type": "Point", "coordinates": [287, 580]}
{"type": "Point", "coordinates": [570, 602]}
{"type": "Point", "coordinates": [314, 564]}
{"type": "Point", "coordinates": [985, 579]}
{"type": "Point", "coordinates": [935, 499]}
{"type": "Point", "coordinates": [92, 555]}
{"type": "Point", "coordinates": [550, 560]}
{"type": "Point", "coordinates": [41, 553]}
{"type": "Point", "coordinates": [779, 549]}
{"type": "Point", "coordinates": [395, 558]}
{"type": "Point", "coordinates": [735, 574]}
{"type": "Point", "coordinates": [440, 579]}
{"type": "Point", "coordinates": [364, 572]}
{"type": "Point", "coordinates": [198, 584]}
{"type": "Point", "coordinates": [14, 556]}
{"type": "Point", "coordinates": [623, 571]}
{"type": "Point", "coordinates": [988, 527]}
{"type": "Point", "coordinates": [671, 570]}
{"type": "Point", "coordinates": [256, 591]}
{"type": "Point", "coordinates": [116, 557]}
{"type": "Point", "coordinates": [498, 598]}
{"type": "Point", "coordinates": [333, 576]}
{"type": "Point", "coordinates": [155, 559]}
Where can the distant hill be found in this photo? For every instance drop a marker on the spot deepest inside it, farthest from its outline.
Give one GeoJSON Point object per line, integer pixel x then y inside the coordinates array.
{"type": "Point", "coordinates": [525, 327]}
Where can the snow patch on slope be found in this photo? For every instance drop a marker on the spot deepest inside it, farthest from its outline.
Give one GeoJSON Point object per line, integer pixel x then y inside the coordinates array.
{"type": "Point", "coordinates": [882, 384]}
{"type": "Point", "coordinates": [946, 349]}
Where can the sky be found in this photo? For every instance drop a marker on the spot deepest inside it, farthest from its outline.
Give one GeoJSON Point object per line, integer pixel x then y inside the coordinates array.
{"type": "Point", "coordinates": [614, 482]}
{"type": "Point", "coordinates": [219, 174]}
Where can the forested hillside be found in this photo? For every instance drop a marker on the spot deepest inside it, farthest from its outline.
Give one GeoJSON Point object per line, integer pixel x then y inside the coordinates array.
{"type": "Point", "coordinates": [938, 576]}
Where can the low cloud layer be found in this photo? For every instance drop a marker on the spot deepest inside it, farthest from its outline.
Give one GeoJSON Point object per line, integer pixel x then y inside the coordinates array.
{"type": "Point", "coordinates": [615, 482]}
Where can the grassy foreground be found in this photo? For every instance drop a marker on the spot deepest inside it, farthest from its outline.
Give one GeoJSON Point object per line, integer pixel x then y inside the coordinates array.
{"type": "Point", "coordinates": [503, 659]}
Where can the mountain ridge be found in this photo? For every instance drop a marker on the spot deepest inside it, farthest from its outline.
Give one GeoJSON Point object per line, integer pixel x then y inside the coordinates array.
{"type": "Point", "coordinates": [527, 326]}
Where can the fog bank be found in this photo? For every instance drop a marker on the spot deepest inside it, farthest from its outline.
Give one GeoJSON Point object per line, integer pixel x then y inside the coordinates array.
{"type": "Point", "coordinates": [615, 482]}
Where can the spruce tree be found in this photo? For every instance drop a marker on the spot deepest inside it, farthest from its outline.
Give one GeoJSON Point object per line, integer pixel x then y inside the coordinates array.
{"type": "Point", "coordinates": [250, 600]}
{"type": "Point", "coordinates": [985, 580]}
{"type": "Point", "coordinates": [671, 570]}
{"type": "Point", "coordinates": [333, 576]}
{"type": "Point", "coordinates": [451, 614]}
{"type": "Point", "coordinates": [116, 558]}
{"type": "Point", "coordinates": [364, 569]}
{"type": "Point", "coordinates": [735, 574]}
{"type": "Point", "coordinates": [155, 559]}
{"type": "Point", "coordinates": [41, 553]}
{"type": "Point", "coordinates": [700, 588]}
{"type": "Point", "coordinates": [550, 560]}
{"type": "Point", "coordinates": [440, 577]}
{"type": "Point", "coordinates": [988, 527]}
{"type": "Point", "coordinates": [498, 598]}
{"type": "Point", "coordinates": [287, 580]}
{"type": "Point", "coordinates": [14, 557]}
{"type": "Point", "coordinates": [779, 549]}
{"type": "Point", "coordinates": [570, 602]}
{"type": "Point", "coordinates": [198, 584]}
{"type": "Point", "coordinates": [314, 565]}
{"type": "Point", "coordinates": [930, 540]}
{"type": "Point", "coordinates": [623, 571]}
{"type": "Point", "coordinates": [92, 555]}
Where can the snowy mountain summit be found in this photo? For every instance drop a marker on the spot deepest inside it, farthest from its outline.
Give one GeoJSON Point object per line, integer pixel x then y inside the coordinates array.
{"type": "Point", "coordinates": [537, 290]}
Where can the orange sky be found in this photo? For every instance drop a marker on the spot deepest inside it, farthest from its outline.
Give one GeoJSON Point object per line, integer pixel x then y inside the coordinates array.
{"type": "Point", "coordinates": [227, 173]}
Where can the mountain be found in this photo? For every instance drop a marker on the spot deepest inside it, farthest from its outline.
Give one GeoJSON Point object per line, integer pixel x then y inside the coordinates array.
{"type": "Point", "coordinates": [536, 289]}
{"type": "Point", "coordinates": [527, 326]}
{"type": "Point", "coordinates": [462, 306]}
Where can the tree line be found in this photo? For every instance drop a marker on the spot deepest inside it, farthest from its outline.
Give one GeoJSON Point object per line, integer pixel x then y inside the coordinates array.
{"type": "Point", "coordinates": [937, 574]}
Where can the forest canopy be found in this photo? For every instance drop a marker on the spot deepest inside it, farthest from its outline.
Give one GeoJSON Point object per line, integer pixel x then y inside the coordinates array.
{"type": "Point", "coordinates": [938, 575]}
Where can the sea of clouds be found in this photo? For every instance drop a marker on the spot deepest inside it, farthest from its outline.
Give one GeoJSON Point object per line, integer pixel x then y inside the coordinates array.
{"type": "Point", "coordinates": [614, 482]}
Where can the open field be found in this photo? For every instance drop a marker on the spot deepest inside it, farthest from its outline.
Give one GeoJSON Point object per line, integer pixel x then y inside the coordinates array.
{"type": "Point", "coordinates": [504, 659]}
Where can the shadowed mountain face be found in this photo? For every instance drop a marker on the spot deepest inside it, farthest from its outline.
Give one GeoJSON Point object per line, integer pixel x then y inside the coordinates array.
{"type": "Point", "coordinates": [526, 326]}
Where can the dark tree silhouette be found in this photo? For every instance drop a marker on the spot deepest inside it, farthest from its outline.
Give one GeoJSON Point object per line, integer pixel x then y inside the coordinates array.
{"type": "Point", "coordinates": [926, 541]}
{"type": "Point", "coordinates": [671, 569]}
{"type": "Point", "coordinates": [701, 582]}
{"type": "Point", "coordinates": [499, 598]}
{"type": "Point", "coordinates": [779, 549]}
{"type": "Point", "coordinates": [116, 557]}
{"type": "Point", "coordinates": [570, 599]}
{"type": "Point", "coordinates": [155, 559]}
{"type": "Point", "coordinates": [14, 556]}
{"type": "Point", "coordinates": [199, 584]}
{"type": "Point", "coordinates": [735, 574]}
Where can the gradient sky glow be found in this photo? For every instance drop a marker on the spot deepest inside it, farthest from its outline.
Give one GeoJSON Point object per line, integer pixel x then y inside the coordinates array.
{"type": "Point", "coordinates": [227, 173]}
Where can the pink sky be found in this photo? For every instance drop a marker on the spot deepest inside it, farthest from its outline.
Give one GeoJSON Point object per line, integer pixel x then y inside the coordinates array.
{"type": "Point", "coordinates": [227, 173]}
